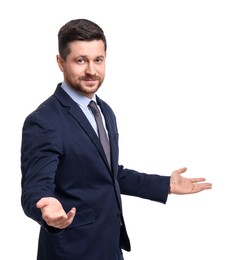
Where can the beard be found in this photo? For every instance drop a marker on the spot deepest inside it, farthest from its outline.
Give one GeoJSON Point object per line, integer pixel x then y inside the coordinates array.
{"type": "Point", "coordinates": [87, 85]}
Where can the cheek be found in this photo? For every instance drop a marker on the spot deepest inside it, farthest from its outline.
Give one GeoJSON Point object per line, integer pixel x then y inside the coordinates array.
{"type": "Point", "coordinates": [76, 71]}
{"type": "Point", "coordinates": [70, 73]}
{"type": "Point", "coordinates": [101, 72]}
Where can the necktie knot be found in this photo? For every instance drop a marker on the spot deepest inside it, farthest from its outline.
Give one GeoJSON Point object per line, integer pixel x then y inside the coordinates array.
{"type": "Point", "coordinates": [93, 106]}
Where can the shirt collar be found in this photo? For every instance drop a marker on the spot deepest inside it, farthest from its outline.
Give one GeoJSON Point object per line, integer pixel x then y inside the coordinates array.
{"type": "Point", "coordinates": [76, 95]}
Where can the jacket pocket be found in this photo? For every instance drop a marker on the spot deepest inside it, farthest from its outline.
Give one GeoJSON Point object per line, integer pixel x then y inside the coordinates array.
{"type": "Point", "coordinates": [83, 217]}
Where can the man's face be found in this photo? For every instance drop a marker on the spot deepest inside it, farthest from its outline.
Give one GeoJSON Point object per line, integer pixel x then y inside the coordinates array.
{"type": "Point", "coordinates": [84, 67]}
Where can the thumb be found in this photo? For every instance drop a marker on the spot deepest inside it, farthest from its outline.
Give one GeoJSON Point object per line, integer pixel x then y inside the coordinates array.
{"type": "Point", "coordinates": [71, 214]}
{"type": "Point", "coordinates": [181, 170]}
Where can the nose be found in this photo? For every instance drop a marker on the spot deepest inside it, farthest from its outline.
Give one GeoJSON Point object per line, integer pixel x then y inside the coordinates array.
{"type": "Point", "coordinates": [90, 69]}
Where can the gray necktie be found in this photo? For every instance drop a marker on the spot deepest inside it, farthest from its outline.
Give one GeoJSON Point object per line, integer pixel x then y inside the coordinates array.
{"type": "Point", "coordinates": [101, 129]}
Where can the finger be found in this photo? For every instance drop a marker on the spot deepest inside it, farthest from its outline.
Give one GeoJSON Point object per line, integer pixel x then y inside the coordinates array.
{"type": "Point", "coordinates": [194, 180]}
{"type": "Point", "coordinates": [41, 203]}
{"type": "Point", "coordinates": [207, 186]}
{"type": "Point", "coordinates": [201, 187]}
{"type": "Point", "coordinates": [45, 201]}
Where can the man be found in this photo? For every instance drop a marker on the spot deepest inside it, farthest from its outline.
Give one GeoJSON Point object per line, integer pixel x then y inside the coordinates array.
{"type": "Point", "coordinates": [71, 183]}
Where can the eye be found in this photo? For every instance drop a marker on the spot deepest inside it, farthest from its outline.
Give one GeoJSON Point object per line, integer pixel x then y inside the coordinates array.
{"type": "Point", "coordinates": [80, 60]}
{"type": "Point", "coordinates": [99, 60]}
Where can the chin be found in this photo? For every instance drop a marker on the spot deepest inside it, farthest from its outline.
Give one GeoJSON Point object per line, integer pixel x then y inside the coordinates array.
{"type": "Point", "coordinates": [91, 89]}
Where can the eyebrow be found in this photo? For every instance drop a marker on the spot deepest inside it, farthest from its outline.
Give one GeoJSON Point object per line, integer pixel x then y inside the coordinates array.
{"type": "Point", "coordinates": [86, 56]}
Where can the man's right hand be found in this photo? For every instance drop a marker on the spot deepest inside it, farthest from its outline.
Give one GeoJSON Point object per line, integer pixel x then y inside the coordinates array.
{"type": "Point", "coordinates": [54, 214]}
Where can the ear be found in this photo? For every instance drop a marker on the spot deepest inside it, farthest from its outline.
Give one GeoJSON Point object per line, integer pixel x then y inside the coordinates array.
{"type": "Point", "coordinates": [60, 62]}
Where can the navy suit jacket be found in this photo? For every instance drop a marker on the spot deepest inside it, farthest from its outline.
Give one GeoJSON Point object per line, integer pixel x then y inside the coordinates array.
{"type": "Point", "coordinates": [62, 157]}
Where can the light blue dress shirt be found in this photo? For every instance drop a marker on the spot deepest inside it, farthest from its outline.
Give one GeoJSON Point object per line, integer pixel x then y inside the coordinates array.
{"type": "Point", "coordinates": [83, 102]}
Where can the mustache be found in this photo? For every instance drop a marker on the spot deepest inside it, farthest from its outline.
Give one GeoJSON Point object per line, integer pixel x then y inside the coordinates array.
{"type": "Point", "coordinates": [91, 78]}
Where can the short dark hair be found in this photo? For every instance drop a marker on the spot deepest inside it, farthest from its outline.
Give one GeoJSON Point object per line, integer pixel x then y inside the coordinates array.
{"type": "Point", "coordinates": [78, 30]}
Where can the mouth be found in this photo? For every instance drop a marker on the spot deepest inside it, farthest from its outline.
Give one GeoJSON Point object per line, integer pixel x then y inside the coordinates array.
{"type": "Point", "coordinates": [90, 82]}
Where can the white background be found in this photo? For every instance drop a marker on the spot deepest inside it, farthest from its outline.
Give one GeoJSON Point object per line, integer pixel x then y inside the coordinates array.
{"type": "Point", "coordinates": [168, 62]}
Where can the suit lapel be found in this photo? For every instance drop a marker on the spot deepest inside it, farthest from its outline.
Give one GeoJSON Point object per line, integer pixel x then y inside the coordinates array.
{"type": "Point", "coordinates": [111, 132]}
{"type": "Point", "coordinates": [76, 112]}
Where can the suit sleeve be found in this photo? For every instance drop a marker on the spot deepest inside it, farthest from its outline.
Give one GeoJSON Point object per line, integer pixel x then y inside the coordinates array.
{"type": "Point", "coordinates": [40, 155]}
{"type": "Point", "coordinates": [148, 186]}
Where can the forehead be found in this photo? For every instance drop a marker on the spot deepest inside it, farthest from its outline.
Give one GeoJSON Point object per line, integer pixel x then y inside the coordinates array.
{"type": "Point", "coordinates": [87, 48]}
